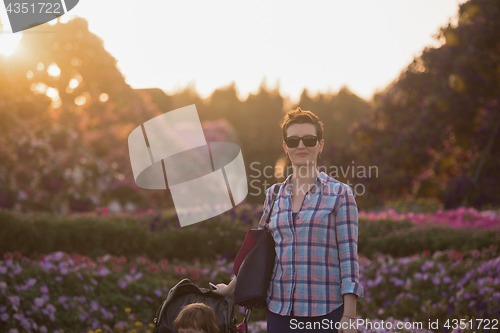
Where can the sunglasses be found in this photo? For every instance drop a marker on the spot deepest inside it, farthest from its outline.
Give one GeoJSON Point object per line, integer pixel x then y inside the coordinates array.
{"type": "Point", "coordinates": [309, 141]}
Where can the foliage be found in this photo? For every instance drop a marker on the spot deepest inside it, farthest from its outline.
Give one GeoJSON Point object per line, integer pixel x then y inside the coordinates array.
{"type": "Point", "coordinates": [433, 132]}
{"type": "Point", "coordinates": [158, 235]}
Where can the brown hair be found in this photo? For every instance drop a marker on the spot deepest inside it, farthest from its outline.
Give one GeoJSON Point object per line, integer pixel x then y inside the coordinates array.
{"type": "Point", "coordinates": [299, 116]}
{"type": "Point", "coordinates": [198, 316]}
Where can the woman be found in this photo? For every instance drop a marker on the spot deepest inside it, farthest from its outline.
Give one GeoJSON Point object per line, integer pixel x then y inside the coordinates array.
{"type": "Point", "coordinates": [314, 224]}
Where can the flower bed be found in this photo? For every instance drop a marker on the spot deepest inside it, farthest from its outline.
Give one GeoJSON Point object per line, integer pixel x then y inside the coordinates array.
{"type": "Point", "coordinates": [77, 294]}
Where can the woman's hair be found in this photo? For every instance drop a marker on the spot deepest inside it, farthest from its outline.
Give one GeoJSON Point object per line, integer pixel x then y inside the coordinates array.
{"type": "Point", "coordinates": [198, 316]}
{"type": "Point", "coordinates": [299, 116]}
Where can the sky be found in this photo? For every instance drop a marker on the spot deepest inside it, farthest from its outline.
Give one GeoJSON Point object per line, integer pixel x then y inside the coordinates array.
{"type": "Point", "coordinates": [289, 45]}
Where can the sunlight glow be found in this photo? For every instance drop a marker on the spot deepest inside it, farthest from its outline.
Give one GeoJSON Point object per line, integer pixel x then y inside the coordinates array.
{"type": "Point", "coordinates": [66, 18]}
{"type": "Point", "coordinates": [76, 62]}
{"type": "Point", "coordinates": [9, 42]}
{"type": "Point", "coordinates": [80, 100]}
{"type": "Point", "coordinates": [52, 93]}
{"type": "Point", "coordinates": [29, 75]}
{"type": "Point", "coordinates": [40, 66]}
{"type": "Point", "coordinates": [73, 83]}
{"type": "Point", "coordinates": [39, 88]}
{"type": "Point", "coordinates": [53, 70]}
{"type": "Point", "coordinates": [103, 97]}
{"type": "Point", "coordinates": [321, 45]}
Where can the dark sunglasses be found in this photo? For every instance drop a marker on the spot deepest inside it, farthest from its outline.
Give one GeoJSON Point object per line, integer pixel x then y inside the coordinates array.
{"type": "Point", "coordinates": [309, 141]}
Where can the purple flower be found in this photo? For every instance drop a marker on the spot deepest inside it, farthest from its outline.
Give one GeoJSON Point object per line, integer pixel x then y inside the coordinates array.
{"type": "Point", "coordinates": [62, 299]}
{"type": "Point", "coordinates": [83, 316]}
{"type": "Point", "coordinates": [58, 278]}
{"type": "Point", "coordinates": [17, 270]}
{"type": "Point", "coordinates": [63, 268]}
{"type": "Point", "coordinates": [122, 284]}
{"type": "Point", "coordinates": [103, 271]}
{"type": "Point", "coordinates": [57, 256]}
{"type": "Point", "coordinates": [13, 330]}
{"type": "Point", "coordinates": [3, 269]}
{"type": "Point", "coordinates": [80, 299]}
{"type": "Point", "coordinates": [50, 308]}
{"type": "Point", "coordinates": [46, 266]}
{"type": "Point", "coordinates": [18, 316]}
{"type": "Point", "coordinates": [44, 289]}
{"type": "Point", "coordinates": [24, 322]}
{"type": "Point", "coordinates": [3, 308]}
{"type": "Point", "coordinates": [3, 286]}
{"type": "Point", "coordinates": [106, 315]}
{"type": "Point", "coordinates": [31, 282]}
{"type": "Point", "coordinates": [94, 306]}
{"type": "Point", "coordinates": [39, 302]}
{"type": "Point", "coordinates": [158, 293]}
{"type": "Point", "coordinates": [121, 325]}
{"type": "Point", "coordinates": [15, 301]}
{"type": "Point", "coordinates": [4, 317]}
{"type": "Point", "coordinates": [436, 280]}
{"type": "Point", "coordinates": [19, 288]}
{"type": "Point", "coordinates": [138, 297]}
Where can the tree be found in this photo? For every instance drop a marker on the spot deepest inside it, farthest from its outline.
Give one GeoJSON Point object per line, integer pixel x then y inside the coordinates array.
{"type": "Point", "coordinates": [434, 130]}
{"type": "Point", "coordinates": [67, 113]}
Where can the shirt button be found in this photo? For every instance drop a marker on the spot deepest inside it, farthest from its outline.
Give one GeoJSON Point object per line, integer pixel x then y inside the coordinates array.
{"type": "Point", "coordinates": [293, 252]}
{"type": "Point", "coordinates": [294, 270]}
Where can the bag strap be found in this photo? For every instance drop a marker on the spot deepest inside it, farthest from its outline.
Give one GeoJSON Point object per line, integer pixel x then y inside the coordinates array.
{"type": "Point", "coordinates": [250, 241]}
{"type": "Point", "coordinates": [273, 198]}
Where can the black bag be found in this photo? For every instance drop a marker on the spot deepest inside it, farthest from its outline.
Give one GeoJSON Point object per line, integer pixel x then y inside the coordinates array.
{"type": "Point", "coordinates": [185, 293]}
{"type": "Point", "coordinates": [254, 265]}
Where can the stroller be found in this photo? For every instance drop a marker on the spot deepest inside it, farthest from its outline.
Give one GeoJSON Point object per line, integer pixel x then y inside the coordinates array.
{"type": "Point", "coordinates": [185, 293]}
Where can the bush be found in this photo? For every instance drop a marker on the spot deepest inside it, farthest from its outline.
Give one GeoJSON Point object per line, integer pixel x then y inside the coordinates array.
{"type": "Point", "coordinates": [159, 236]}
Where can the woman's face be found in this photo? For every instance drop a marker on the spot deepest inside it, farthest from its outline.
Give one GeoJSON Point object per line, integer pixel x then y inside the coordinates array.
{"type": "Point", "coordinates": [302, 155]}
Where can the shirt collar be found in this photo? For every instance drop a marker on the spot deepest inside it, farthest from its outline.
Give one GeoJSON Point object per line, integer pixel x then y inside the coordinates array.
{"type": "Point", "coordinates": [323, 178]}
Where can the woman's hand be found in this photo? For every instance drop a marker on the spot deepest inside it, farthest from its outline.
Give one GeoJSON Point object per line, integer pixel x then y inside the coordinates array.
{"type": "Point", "coordinates": [346, 326]}
{"type": "Point", "coordinates": [225, 290]}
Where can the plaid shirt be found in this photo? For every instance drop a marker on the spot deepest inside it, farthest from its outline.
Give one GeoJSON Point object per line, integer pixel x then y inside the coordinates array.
{"type": "Point", "coordinates": [317, 263]}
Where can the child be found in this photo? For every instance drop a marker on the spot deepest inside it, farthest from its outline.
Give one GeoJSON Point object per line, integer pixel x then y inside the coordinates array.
{"type": "Point", "coordinates": [196, 318]}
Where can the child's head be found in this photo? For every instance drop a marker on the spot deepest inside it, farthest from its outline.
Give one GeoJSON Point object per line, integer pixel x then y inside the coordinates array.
{"type": "Point", "coordinates": [196, 318]}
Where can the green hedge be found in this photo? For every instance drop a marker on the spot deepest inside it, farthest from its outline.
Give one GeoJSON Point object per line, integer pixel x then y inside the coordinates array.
{"type": "Point", "coordinates": [402, 239]}
{"type": "Point", "coordinates": [159, 236]}
{"type": "Point", "coordinates": [117, 235]}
